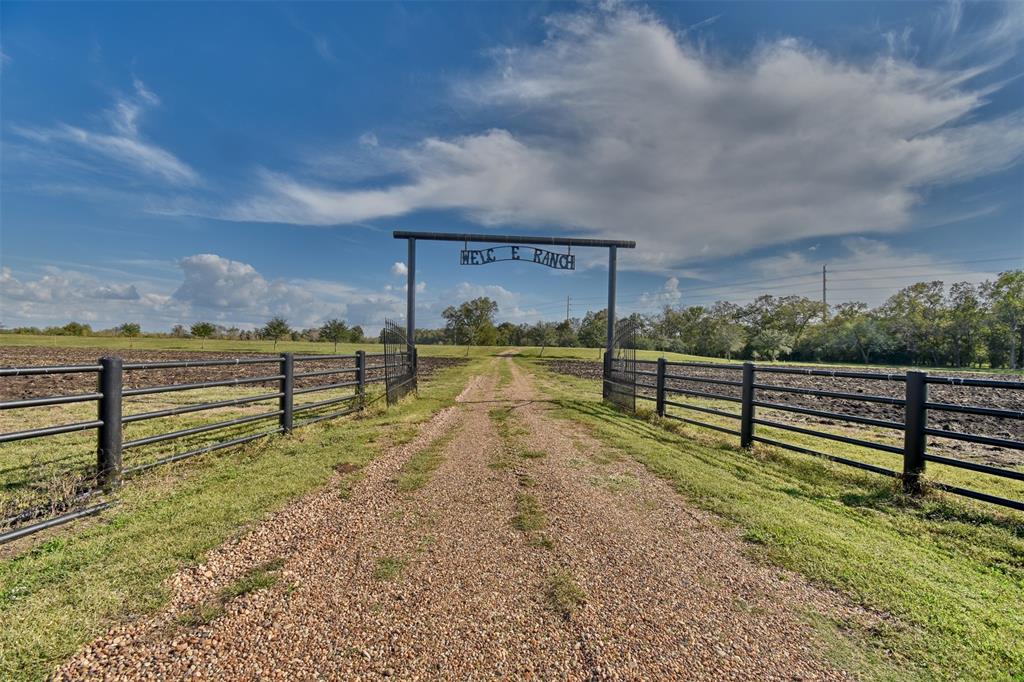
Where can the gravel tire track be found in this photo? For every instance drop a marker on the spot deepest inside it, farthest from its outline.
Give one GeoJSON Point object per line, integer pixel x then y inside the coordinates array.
{"type": "Point", "coordinates": [669, 594]}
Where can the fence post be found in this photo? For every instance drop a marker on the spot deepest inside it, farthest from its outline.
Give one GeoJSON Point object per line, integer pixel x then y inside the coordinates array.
{"type": "Point", "coordinates": [108, 449]}
{"type": "Point", "coordinates": [606, 374]}
{"type": "Point", "coordinates": [287, 400]}
{"type": "Point", "coordinates": [361, 376]}
{"type": "Point", "coordinates": [659, 391]}
{"type": "Point", "coordinates": [415, 369]}
{"type": "Point", "coordinates": [747, 406]}
{"type": "Point", "coordinates": [914, 437]}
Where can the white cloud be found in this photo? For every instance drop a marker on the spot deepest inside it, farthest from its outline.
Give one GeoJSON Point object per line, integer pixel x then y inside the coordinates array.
{"type": "Point", "coordinates": [123, 143]}
{"type": "Point", "coordinates": [323, 48]}
{"type": "Point", "coordinates": [210, 287]}
{"type": "Point", "coordinates": [368, 139]}
{"type": "Point", "coordinates": [668, 295]}
{"type": "Point", "coordinates": [627, 130]}
{"type": "Point", "coordinates": [510, 303]}
{"type": "Point", "coordinates": [63, 286]}
{"type": "Point", "coordinates": [399, 269]}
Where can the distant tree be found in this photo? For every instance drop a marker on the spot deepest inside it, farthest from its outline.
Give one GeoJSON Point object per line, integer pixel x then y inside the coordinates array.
{"type": "Point", "coordinates": [178, 331]}
{"type": "Point", "coordinates": [76, 329]}
{"type": "Point", "coordinates": [472, 322]}
{"type": "Point", "coordinates": [593, 329]}
{"type": "Point", "coordinates": [356, 334]}
{"type": "Point", "coordinates": [276, 329]}
{"type": "Point", "coordinates": [203, 331]}
{"type": "Point", "coordinates": [130, 330]}
{"type": "Point", "coordinates": [1007, 301]}
{"type": "Point", "coordinates": [335, 331]}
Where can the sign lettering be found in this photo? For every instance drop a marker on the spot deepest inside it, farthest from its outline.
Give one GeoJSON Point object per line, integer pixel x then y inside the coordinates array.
{"type": "Point", "coordinates": [558, 261]}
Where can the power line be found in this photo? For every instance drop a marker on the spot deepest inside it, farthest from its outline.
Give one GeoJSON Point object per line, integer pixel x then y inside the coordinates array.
{"type": "Point", "coordinates": [922, 265]}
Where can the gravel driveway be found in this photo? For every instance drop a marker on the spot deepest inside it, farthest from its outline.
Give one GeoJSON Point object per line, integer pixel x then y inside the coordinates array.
{"type": "Point", "coordinates": [440, 583]}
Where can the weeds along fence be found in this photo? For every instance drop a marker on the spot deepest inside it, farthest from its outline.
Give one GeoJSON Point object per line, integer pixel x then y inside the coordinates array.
{"type": "Point", "coordinates": [48, 480]}
{"type": "Point", "coordinates": [758, 403]}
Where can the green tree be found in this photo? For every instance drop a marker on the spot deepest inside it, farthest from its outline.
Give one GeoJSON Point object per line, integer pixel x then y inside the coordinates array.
{"type": "Point", "coordinates": [356, 334]}
{"type": "Point", "coordinates": [593, 331]}
{"type": "Point", "coordinates": [854, 331]}
{"type": "Point", "coordinates": [472, 322]}
{"type": "Point", "coordinates": [335, 331]}
{"type": "Point", "coordinates": [1007, 300]}
{"type": "Point", "coordinates": [914, 315]}
{"type": "Point", "coordinates": [130, 330]}
{"type": "Point", "coordinates": [203, 331]}
{"type": "Point", "coordinates": [965, 322]}
{"type": "Point", "coordinates": [76, 329]}
{"type": "Point", "coordinates": [276, 329]}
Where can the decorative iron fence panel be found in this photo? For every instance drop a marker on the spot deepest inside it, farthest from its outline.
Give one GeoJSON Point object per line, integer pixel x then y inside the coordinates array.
{"type": "Point", "coordinates": [399, 363]}
{"type": "Point", "coordinates": [620, 366]}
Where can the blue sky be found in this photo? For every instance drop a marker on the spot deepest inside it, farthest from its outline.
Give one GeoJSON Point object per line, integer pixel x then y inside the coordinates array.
{"type": "Point", "coordinates": [173, 162]}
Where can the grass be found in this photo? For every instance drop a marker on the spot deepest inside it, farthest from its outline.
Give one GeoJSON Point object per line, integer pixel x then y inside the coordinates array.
{"type": "Point", "coordinates": [261, 577]}
{"type": "Point", "coordinates": [416, 472]}
{"type": "Point", "coordinates": [389, 568]}
{"type": "Point", "coordinates": [61, 589]}
{"type": "Point", "coordinates": [564, 595]}
{"type": "Point", "coordinates": [950, 572]}
{"type": "Point", "coordinates": [529, 515]}
{"type": "Point", "coordinates": [307, 347]}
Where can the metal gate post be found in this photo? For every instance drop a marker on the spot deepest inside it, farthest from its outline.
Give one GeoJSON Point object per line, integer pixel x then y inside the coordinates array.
{"type": "Point", "coordinates": [606, 374]}
{"type": "Point", "coordinates": [287, 400]}
{"type": "Point", "coordinates": [410, 296]}
{"type": "Point", "coordinates": [612, 260]}
{"type": "Point", "coordinates": [659, 391]}
{"type": "Point", "coordinates": [747, 406]}
{"type": "Point", "coordinates": [108, 450]}
{"type": "Point", "coordinates": [361, 376]}
{"type": "Point", "coordinates": [415, 369]}
{"type": "Point", "coordinates": [914, 437]}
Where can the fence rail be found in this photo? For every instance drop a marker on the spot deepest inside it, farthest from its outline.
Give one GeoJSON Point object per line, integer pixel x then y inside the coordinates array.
{"type": "Point", "coordinates": [110, 470]}
{"type": "Point", "coordinates": [914, 404]}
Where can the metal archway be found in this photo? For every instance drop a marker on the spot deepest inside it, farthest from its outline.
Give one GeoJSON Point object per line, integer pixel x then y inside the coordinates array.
{"type": "Point", "coordinates": [411, 238]}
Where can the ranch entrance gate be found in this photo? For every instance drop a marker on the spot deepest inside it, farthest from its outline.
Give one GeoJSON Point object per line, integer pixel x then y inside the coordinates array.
{"type": "Point", "coordinates": [620, 348]}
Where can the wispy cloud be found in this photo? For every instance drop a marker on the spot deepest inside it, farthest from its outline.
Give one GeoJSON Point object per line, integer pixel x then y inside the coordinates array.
{"type": "Point", "coordinates": [121, 143]}
{"type": "Point", "coordinates": [620, 124]}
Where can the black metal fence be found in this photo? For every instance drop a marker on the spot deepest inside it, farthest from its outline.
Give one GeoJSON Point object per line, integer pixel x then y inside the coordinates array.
{"type": "Point", "coordinates": [289, 409]}
{"type": "Point", "coordinates": [620, 369]}
{"type": "Point", "coordinates": [399, 363]}
{"type": "Point", "coordinates": [756, 387]}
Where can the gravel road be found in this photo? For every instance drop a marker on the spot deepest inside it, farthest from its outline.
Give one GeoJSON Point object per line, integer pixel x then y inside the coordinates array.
{"type": "Point", "coordinates": [439, 583]}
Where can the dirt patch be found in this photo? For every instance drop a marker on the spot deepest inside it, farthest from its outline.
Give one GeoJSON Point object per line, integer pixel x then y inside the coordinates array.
{"type": "Point", "coordinates": [960, 395]}
{"type": "Point", "coordinates": [64, 384]}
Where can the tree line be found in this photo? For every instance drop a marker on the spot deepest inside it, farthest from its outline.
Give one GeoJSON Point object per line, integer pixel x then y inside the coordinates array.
{"type": "Point", "coordinates": [276, 329]}
{"type": "Point", "coordinates": [922, 324]}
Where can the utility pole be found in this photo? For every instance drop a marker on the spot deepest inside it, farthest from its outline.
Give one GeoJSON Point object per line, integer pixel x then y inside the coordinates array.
{"type": "Point", "coordinates": [567, 308]}
{"type": "Point", "coordinates": [824, 293]}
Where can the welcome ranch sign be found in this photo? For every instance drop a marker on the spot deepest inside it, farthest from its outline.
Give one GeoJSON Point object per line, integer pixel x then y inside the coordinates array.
{"type": "Point", "coordinates": [511, 247]}
{"type": "Point", "coordinates": [531, 254]}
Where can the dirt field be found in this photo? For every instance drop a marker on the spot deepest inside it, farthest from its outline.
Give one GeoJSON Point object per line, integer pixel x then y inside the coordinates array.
{"type": "Point", "coordinates": [962, 395]}
{"type": "Point", "coordinates": [63, 384]}
{"type": "Point", "coordinates": [500, 544]}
